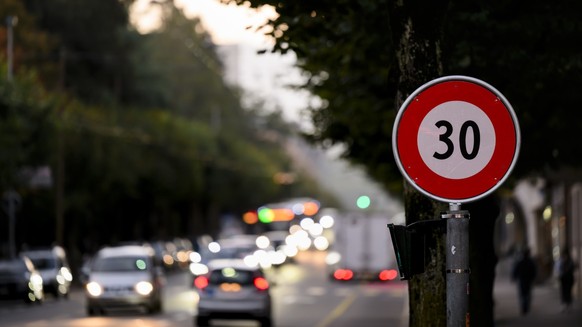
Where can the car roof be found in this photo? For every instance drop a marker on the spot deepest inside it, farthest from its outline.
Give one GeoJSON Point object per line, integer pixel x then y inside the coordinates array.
{"type": "Point", "coordinates": [125, 250]}
{"type": "Point", "coordinates": [45, 252]}
{"type": "Point", "coordinates": [242, 240]}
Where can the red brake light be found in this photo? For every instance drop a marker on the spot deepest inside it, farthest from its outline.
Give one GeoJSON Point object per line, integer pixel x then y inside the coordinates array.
{"type": "Point", "coordinates": [348, 275]}
{"type": "Point", "coordinates": [343, 274]}
{"type": "Point", "coordinates": [261, 284]}
{"type": "Point", "coordinates": [201, 282]}
{"type": "Point", "coordinates": [388, 274]}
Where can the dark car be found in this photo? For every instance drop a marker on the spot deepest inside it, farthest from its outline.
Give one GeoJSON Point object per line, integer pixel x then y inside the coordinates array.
{"type": "Point", "coordinates": [53, 266]}
{"type": "Point", "coordinates": [20, 280]}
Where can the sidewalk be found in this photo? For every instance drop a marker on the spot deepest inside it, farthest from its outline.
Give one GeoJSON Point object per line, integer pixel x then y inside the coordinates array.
{"type": "Point", "coordinates": [545, 309]}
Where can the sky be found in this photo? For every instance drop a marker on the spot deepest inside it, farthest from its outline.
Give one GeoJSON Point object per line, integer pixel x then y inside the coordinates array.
{"type": "Point", "coordinates": [226, 23]}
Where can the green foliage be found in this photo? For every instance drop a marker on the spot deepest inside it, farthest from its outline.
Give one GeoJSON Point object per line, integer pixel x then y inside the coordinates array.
{"type": "Point", "coordinates": [346, 50]}
{"type": "Point", "coordinates": [25, 127]}
{"type": "Point", "coordinates": [154, 143]}
{"type": "Point", "coordinates": [94, 44]}
{"type": "Point", "coordinates": [527, 53]}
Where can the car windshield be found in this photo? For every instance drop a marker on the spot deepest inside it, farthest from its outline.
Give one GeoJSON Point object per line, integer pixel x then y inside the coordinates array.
{"type": "Point", "coordinates": [44, 263]}
{"type": "Point", "coordinates": [120, 264]}
{"type": "Point", "coordinates": [12, 266]}
{"type": "Point", "coordinates": [231, 275]}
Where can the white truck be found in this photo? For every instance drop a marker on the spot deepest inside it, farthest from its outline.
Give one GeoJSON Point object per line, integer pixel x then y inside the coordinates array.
{"type": "Point", "coordinates": [362, 248]}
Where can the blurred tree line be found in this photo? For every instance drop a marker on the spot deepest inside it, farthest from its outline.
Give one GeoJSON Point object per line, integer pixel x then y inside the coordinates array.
{"type": "Point", "coordinates": [144, 138]}
{"type": "Point", "coordinates": [363, 58]}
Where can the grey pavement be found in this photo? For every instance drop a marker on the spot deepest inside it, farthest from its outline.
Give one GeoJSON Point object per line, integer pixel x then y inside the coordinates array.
{"type": "Point", "coordinates": [546, 308]}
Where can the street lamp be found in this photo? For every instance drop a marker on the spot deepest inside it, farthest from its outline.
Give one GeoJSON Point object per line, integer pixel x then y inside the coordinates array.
{"type": "Point", "coordinates": [11, 21]}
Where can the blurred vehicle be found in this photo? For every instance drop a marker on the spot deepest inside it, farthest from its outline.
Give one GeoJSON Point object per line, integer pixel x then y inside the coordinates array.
{"type": "Point", "coordinates": [362, 249]}
{"type": "Point", "coordinates": [183, 248]}
{"type": "Point", "coordinates": [277, 237]}
{"type": "Point", "coordinates": [233, 290]}
{"type": "Point", "coordinates": [229, 248]}
{"type": "Point", "coordinates": [164, 254]}
{"type": "Point", "coordinates": [246, 247]}
{"type": "Point", "coordinates": [20, 280]}
{"type": "Point", "coordinates": [124, 276]}
{"type": "Point", "coordinates": [53, 266]}
{"type": "Point", "coordinates": [280, 241]}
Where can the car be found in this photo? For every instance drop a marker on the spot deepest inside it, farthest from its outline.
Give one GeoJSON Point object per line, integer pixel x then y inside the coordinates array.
{"type": "Point", "coordinates": [19, 279]}
{"type": "Point", "coordinates": [219, 250]}
{"type": "Point", "coordinates": [233, 290]}
{"type": "Point", "coordinates": [53, 266]}
{"type": "Point", "coordinates": [124, 277]}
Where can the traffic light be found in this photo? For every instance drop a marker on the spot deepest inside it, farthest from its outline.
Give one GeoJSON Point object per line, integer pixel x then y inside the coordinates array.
{"type": "Point", "coordinates": [412, 243]}
{"type": "Point", "coordinates": [363, 202]}
{"type": "Point", "coordinates": [250, 217]}
{"type": "Point", "coordinates": [266, 215]}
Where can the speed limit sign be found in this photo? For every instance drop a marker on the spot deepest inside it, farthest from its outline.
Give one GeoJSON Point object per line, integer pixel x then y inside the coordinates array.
{"type": "Point", "coordinates": [456, 139]}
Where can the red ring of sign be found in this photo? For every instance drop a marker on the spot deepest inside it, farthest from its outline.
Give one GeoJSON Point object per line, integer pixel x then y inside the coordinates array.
{"type": "Point", "coordinates": [421, 175]}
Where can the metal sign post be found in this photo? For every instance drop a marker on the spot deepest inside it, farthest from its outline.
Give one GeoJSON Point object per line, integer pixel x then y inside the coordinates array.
{"type": "Point", "coordinates": [455, 140]}
{"type": "Point", "coordinates": [457, 265]}
{"type": "Point", "coordinates": [11, 202]}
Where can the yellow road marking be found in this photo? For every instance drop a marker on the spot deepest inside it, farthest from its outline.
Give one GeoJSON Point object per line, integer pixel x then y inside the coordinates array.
{"type": "Point", "coordinates": [338, 311]}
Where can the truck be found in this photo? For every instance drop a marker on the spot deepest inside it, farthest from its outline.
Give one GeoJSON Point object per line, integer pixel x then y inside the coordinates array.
{"type": "Point", "coordinates": [362, 248]}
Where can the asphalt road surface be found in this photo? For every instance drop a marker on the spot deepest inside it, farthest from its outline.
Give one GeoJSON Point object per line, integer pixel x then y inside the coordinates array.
{"type": "Point", "coordinates": [303, 296]}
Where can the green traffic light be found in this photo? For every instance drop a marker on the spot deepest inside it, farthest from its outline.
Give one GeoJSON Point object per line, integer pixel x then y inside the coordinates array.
{"type": "Point", "coordinates": [266, 215]}
{"type": "Point", "coordinates": [363, 202]}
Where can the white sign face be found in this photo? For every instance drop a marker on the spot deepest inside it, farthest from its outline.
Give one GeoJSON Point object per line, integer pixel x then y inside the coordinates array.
{"type": "Point", "coordinates": [456, 140]}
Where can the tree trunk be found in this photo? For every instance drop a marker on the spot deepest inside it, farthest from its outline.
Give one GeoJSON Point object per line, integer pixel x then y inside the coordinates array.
{"type": "Point", "coordinates": [416, 33]}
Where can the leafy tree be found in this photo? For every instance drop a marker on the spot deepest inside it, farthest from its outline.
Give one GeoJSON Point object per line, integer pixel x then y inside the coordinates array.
{"type": "Point", "coordinates": [26, 131]}
{"type": "Point", "coordinates": [93, 49]}
{"type": "Point", "coordinates": [31, 45]}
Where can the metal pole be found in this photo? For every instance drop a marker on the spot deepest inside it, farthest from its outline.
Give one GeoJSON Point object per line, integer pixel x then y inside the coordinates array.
{"type": "Point", "coordinates": [11, 201]}
{"type": "Point", "coordinates": [10, 23]}
{"type": "Point", "coordinates": [457, 266]}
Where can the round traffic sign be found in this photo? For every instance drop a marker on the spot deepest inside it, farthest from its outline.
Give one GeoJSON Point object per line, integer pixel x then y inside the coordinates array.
{"type": "Point", "coordinates": [456, 139]}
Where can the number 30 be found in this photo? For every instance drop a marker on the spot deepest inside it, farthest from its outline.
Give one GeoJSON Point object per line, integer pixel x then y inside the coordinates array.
{"type": "Point", "coordinates": [445, 138]}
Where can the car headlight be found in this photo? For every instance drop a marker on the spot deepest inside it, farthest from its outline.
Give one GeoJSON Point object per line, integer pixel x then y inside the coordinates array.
{"type": "Point", "coordinates": [66, 273]}
{"type": "Point", "coordinates": [35, 282]}
{"type": "Point", "coordinates": [36, 279]}
{"type": "Point", "coordinates": [198, 268]}
{"type": "Point", "coordinates": [144, 288]}
{"type": "Point", "coordinates": [94, 289]}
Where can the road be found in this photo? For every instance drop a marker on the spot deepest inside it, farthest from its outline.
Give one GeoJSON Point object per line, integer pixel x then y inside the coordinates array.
{"type": "Point", "coordinates": [302, 297]}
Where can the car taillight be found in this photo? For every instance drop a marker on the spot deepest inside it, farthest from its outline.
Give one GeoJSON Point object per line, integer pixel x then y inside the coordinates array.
{"type": "Point", "coordinates": [201, 282]}
{"type": "Point", "coordinates": [387, 274]}
{"type": "Point", "coordinates": [343, 274]}
{"type": "Point", "coordinates": [261, 284]}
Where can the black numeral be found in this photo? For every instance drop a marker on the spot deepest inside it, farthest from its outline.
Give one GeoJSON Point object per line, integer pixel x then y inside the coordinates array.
{"type": "Point", "coordinates": [445, 138]}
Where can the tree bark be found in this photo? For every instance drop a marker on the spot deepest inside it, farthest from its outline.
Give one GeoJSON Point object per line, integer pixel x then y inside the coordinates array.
{"type": "Point", "coordinates": [416, 33]}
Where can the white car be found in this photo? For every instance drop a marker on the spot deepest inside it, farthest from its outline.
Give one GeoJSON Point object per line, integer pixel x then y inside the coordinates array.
{"type": "Point", "coordinates": [122, 277]}
{"type": "Point", "coordinates": [233, 290]}
{"type": "Point", "coordinates": [53, 266]}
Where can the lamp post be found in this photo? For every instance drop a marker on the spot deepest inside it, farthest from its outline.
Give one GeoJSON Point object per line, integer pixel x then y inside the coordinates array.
{"type": "Point", "coordinates": [11, 202]}
{"type": "Point", "coordinates": [11, 21]}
